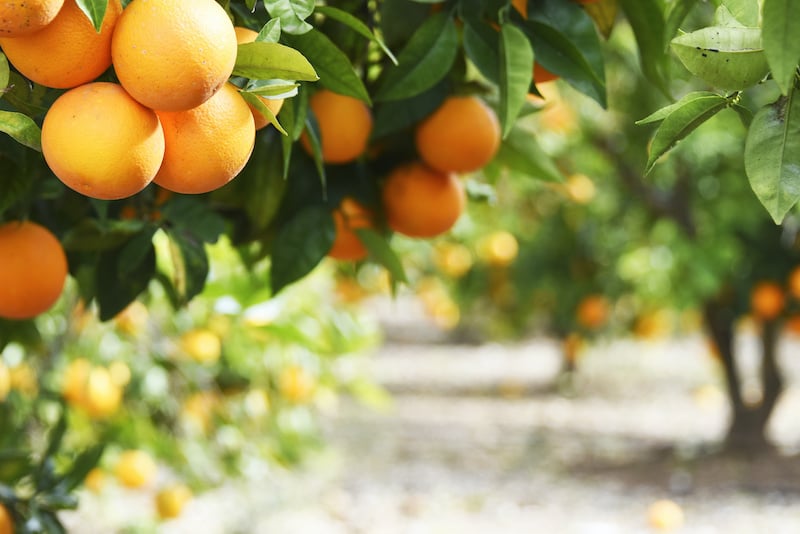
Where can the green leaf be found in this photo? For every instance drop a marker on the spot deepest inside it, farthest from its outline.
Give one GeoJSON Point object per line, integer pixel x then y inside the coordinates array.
{"type": "Point", "coordinates": [745, 11]}
{"type": "Point", "coordinates": [117, 285]}
{"type": "Point", "coordinates": [5, 73]}
{"type": "Point", "coordinates": [647, 20]}
{"type": "Point", "coordinates": [260, 60]}
{"type": "Point", "coordinates": [723, 17]}
{"type": "Point", "coordinates": [516, 73]}
{"type": "Point", "coordinates": [272, 88]}
{"type": "Point", "coordinates": [772, 155]}
{"type": "Point", "coordinates": [676, 13]}
{"type": "Point", "coordinates": [315, 139]}
{"type": "Point", "coordinates": [662, 113]}
{"type": "Point", "coordinates": [725, 57]}
{"type": "Point", "coordinates": [190, 214]}
{"type": "Point", "coordinates": [521, 153]}
{"type": "Point", "coordinates": [270, 33]}
{"type": "Point", "coordinates": [91, 234]}
{"type": "Point", "coordinates": [56, 437]}
{"type": "Point", "coordinates": [31, 99]}
{"type": "Point", "coordinates": [14, 464]}
{"type": "Point", "coordinates": [356, 25]}
{"type": "Point", "coordinates": [335, 71]}
{"type": "Point", "coordinates": [21, 128]}
{"type": "Point", "coordinates": [95, 11]}
{"type": "Point", "coordinates": [424, 61]}
{"type": "Point", "coordinates": [262, 108]}
{"type": "Point", "coordinates": [300, 245]}
{"type": "Point", "coordinates": [83, 464]}
{"type": "Point", "coordinates": [566, 43]}
{"type": "Point", "coordinates": [292, 14]}
{"type": "Point", "coordinates": [136, 250]}
{"type": "Point", "coordinates": [380, 251]}
{"type": "Point", "coordinates": [682, 121]}
{"type": "Point", "coordinates": [190, 265]}
{"type": "Point", "coordinates": [482, 45]}
{"type": "Point", "coordinates": [780, 31]}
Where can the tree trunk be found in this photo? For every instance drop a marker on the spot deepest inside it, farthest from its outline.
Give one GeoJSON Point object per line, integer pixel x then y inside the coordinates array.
{"type": "Point", "coordinates": [746, 433]}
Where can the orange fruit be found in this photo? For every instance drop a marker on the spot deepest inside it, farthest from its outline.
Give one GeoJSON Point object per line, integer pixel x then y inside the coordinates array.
{"type": "Point", "coordinates": [767, 300]}
{"type": "Point", "coordinates": [135, 469]}
{"type": "Point", "coordinates": [499, 249]}
{"type": "Point", "coordinates": [422, 202]}
{"type": "Point", "coordinates": [462, 135]}
{"type": "Point", "coordinates": [67, 52]}
{"type": "Point", "coordinates": [22, 18]}
{"type": "Point", "coordinates": [101, 142]}
{"type": "Point", "coordinates": [592, 311]}
{"type": "Point", "coordinates": [6, 521]}
{"type": "Point", "coordinates": [542, 75]}
{"type": "Point", "coordinates": [296, 384]}
{"type": "Point", "coordinates": [452, 259]}
{"type": "Point", "coordinates": [103, 396]}
{"type": "Point", "coordinates": [792, 325]}
{"type": "Point", "coordinates": [246, 35]}
{"type": "Point", "coordinates": [207, 146]}
{"type": "Point", "coordinates": [794, 283]}
{"type": "Point", "coordinates": [345, 124]}
{"type": "Point", "coordinates": [349, 216]}
{"type": "Point", "coordinates": [202, 345]}
{"type": "Point", "coordinates": [33, 270]}
{"type": "Point", "coordinates": [171, 500]}
{"type": "Point", "coordinates": [171, 57]}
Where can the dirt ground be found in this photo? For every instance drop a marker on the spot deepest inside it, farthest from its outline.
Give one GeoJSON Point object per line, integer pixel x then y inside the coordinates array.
{"type": "Point", "coordinates": [485, 439]}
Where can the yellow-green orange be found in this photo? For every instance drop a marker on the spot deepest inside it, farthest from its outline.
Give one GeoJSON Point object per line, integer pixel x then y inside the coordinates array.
{"type": "Point", "coordinates": [246, 35]}
{"type": "Point", "coordinates": [171, 500]}
{"type": "Point", "coordinates": [345, 124]}
{"type": "Point", "coordinates": [67, 52]}
{"type": "Point", "coordinates": [101, 142]}
{"type": "Point", "coordinates": [207, 146]}
{"type": "Point", "coordinates": [135, 469]}
{"type": "Point", "coordinates": [21, 17]}
{"type": "Point", "coordinates": [33, 270]}
{"type": "Point", "coordinates": [171, 56]}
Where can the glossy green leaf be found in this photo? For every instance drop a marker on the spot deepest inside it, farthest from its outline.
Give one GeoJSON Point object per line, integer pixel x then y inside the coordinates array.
{"type": "Point", "coordinates": [675, 15]}
{"type": "Point", "coordinates": [270, 33]}
{"type": "Point", "coordinates": [662, 113]}
{"type": "Point", "coordinates": [5, 73]}
{"type": "Point", "coordinates": [300, 245]}
{"type": "Point", "coordinates": [781, 36]}
{"type": "Point", "coordinates": [292, 14]}
{"type": "Point", "coordinates": [516, 74]}
{"type": "Point", "coordinates": [264, 61]}
{"type": "Point", "coordinates": [272, 88]}
{"type": "Point", "coordinates": [262, 108]}
{"type": "Point", "coordinates": [356, 25]}
{"type": "Point", "coordinates": [95, 11]}
{"type": "Point", "coordinates": [424, 61]}
{"type": "Point", "coordinates": [745, 11]}
{"type": "Point", "coordinates": [21, 128]}
{"type": "Point", "coordinates": [334, 67]}
{"type": "Point", "coordinates": [725, 57]}
{"type": "Point", "coordinates": [520, 153]}
{"type": "Point", "coordinates": [482, 45]}
{"type": "Point", "coordinates": [681, 121]}
{"type": "Point", "coordinates": [772, 155]}
{"type": "Point", "coordinates": [381, 252]}
{"type": "Point", "coordinates": [647, 20]}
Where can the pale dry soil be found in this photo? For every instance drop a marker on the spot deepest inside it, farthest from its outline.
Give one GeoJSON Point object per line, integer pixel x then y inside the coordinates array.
{"type": "Point", "coordinates": [488, 439]}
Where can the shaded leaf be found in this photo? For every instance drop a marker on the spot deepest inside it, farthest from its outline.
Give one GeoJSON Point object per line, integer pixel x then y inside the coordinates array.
{"type": "Point", "coordinates": [356, 25]}
{"type": "Point", "coordinates": [647, 20]}
{"type": "Point", "coordinates": [300, 245]}
{"type": "Point", "coordinates": [381, 252]}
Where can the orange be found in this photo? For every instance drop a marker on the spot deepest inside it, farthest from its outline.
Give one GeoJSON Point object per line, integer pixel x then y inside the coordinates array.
{"type": "Point", "coordinates": [296, 384]}
{"type": "Point", "coordinates": [101, 142]}
{"type": "Point", "coordinates": [33, 269]}
{"type": "Point", "coordinates": [207, 146]}
{"type": "Point", "coordinates": [349, 216]}
{"type": "Point", "coordinates": [462, 135]}
{"type": "Point", "coordinates": [767, 300]}
{"type": "Point", "coordinates": [422, 202]}
{"type": "Point", "coordinates": [135, 469]}
{"type": "Point", "coordinates": [24, 17]}
{"type": "Point", "coordinates": [345, 124]}
{"type": "Point", "coordinates": [103, 396]}
{"type": "Point", "coordinates": [67, 52]}
{"type": "Point", "coordinates": [453, 259]}
{"type": "Point", "coordinates": [6, 521]}
{"type": "Point", "coordinates": [498, 249]}
{"type": "Point", "coordinates": [592, 311]}
{"type": "Point", "coordinates": [794, 283]}
{"type": "Point", "coordinates": [542, 75]}
{"type": "Point", "coordinates": [202, 345]}
{"type": "Point", "coordinates": [246, 35]}
{"type": "Point", "coordinates": [171, 57]}
{"type": "Point", "coordinates": [171, 500]}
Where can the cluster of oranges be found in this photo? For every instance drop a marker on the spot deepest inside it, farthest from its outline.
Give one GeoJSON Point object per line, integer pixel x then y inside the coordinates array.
{"type": "Point", "coordinates": [172, 103]}
{"type": "Point", "coordinates": [422, 198]}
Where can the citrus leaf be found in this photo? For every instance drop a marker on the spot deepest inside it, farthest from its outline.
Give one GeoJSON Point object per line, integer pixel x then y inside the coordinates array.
{"type": "Point", "coordinates": [262, 108]}
{"type": "Point", "coordinates": [270, 33]}
{"type": "Point", "coordinates": [604, 14]}
{"type": "Point", "coordinates": [21, 128]}
{"type": "Point", "coordinates": [725, 57]}
{"type": "Point", "coordinates": [95, 11]}
{"type": "Point", "coordinates": [115, 290]}
{"type": "Point", "coordinates": [424, 61]}
{"type": "Point", "coordinates": [676, 13]}
{"type": "Point", "coordinates": [566, 43]}
{"type": "Point", "coordinates": [516, 73]}
{"type": "Point", "coordinates": [5, 72]}
{"type": "Point", "coordinates": [335, 71]}
{"type": "Point", "coordinates": [521, 153]}
{"type": "Point", "coordinates": [272, 88]}
{"type": "Point", "coordinates": [781, 27]}
{"type": "Point", "coordinates": [189, 262]}
{"type": "Point", "coordinates": [723, 17]}
{"type": "Point", "coordinates": [381, 252]}
{"type": "Point", "coordinates": [300, 245]}
{"type": "Point", "coordinates": [662, 113]}
{"type": "Point", "coordinates": [85, 462]}
{"type": "Point", "coordinates": [482, 45]}
{"type": "Point", "coordinates": [647, 20]}
{"type": "Point", "coordinates": [292, 14]}
{"type": "Point", "coordinates": [315, 140]}
{"type": "Point", "coordinates": [265, 61]}
{"type": "Point", "coordinates": [682, 121]}
{"type": "Point", "coordinates": [772, 155]}
{"type": "Point", "coordinates": [745, 11]}
{"type": "Point", "coordinates": [356, 25]}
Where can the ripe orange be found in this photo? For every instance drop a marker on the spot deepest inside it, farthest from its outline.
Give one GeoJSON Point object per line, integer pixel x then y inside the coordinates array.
{"type": "Point", "coordinates": [170, 57]}
{"type": "Point", "coordinates": [462, 135]}
{"type": "Point", "coordinates": [592, 311]}
{"type": "Point", "coordinates": [499, 249]}
{"type": "Point", "coordinates": [101, 142]}
{"type": "Point", "coordinates": [542, 75]}
{"type": "Point", "coordinates": [103, 396]}
{"type": "Point", "coordinates": [6, 521]}
{"type": "Point", "coordinates": [33, 270]}
{"type": "Point", "coordinates": [349, 216]}
{"type": "Point", "coordinates": [246, 35]}
{"type": "Point", "coordinates": [135, 469]}
{"type": "Point", "coordinates": [422, 202]}
{"type": "Point", "coordinates": [207, 146]}
{"type": "Point", "coordinates": [767, 300]}
{"type": "Point", "coordinates": [22, 18]}
{"type": "Point", "coordinates": [794, 283]}
{"type": "Point", "coordinates": [67, 52]}
{"type": "Point", "coordinates": [345, 124]}
{"type": "Point", "coordinates": [171, 500]}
